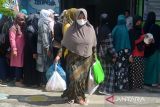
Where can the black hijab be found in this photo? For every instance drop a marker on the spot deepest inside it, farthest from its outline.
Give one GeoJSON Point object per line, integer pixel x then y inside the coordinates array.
{"type": "Point", "coordinates": [151, 19]}
{"type": "Point", "coordinates": [135, 33]}
{"type": "Point", "coordinates": [137, 29]}
{"type": "Point", "coordinates": [103, 29]}
{"type": "Point", "coordinates": [32, 23]}
{"type": "Point", "coordinates": [154, 29]}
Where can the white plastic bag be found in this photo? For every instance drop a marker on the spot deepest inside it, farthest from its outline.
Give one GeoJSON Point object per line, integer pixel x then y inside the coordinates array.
{"type": "Point", "coordinates": [92, 86]}
{"type": "Point", "coordinates": [56, 82]}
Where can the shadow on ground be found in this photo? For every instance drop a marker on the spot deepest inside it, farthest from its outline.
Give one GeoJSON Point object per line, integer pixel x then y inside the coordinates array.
{"type": "Point", "coordinates": [40, 100]}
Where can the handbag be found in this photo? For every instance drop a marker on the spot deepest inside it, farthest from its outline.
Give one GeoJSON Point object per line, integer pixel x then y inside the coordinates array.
{"type": "Point", "coordinates": [98, 72]}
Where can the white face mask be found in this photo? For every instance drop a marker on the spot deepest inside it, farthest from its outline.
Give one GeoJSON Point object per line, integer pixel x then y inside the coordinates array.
{"type": "Point", "coordinates": [81, 22]}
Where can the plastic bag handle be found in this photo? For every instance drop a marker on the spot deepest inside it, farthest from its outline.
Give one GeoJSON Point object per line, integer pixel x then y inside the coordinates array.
{"type": "Point", "coordinates": [56, 66]}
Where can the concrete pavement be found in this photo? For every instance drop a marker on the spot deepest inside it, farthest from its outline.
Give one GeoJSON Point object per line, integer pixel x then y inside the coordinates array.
{"type": "Point", "coordinates": [11, 96]}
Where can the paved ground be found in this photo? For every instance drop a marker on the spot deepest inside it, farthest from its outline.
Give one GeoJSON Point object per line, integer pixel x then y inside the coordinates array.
{"type": "Point", "coordinates": [11, 96]}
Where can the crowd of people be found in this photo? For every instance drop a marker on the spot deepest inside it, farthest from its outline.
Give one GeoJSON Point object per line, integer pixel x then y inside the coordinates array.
{"type": "Point", "coordinates": [30, 44]}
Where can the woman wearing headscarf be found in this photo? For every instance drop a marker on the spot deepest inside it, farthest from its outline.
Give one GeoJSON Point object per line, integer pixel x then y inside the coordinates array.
{"type": "Point", "coordinates": [80, 40]}
{"type": "Point", "coordinates": [7, 25]}
{"type": "Point", "coordinates": [68, 18]}
{"type": "Point", "coordinates": [17, 42]}
{"type": "Point", "coordinates": [30, 55]}
{"type": "Point", "coordinates": [24, 11]}
{"type": "Point", "coordinates": [44, 44]}
{"type": "Point", "coordinates": [3, 51]}
{"type": "Point", "coordinates": [106, 53]}
{"type": "Point", "coordinates": [121, 43]}
{"type": "Point", "coordinates": [152, 53]}
{"type": "Point", "coordinates": [136, 73]}
{"type": "Point", "coordinates": [57, 34]}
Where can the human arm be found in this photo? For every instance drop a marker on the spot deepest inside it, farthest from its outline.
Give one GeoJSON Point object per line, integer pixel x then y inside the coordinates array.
{"type": "Point", "coordinates": [110, 48]}
{"type": "Point", "coordinates": [45, 39]}
{"type": "Point", "coordinates": [12, 38]}
{"type": "Point", "coordinates": [59, 55]}
{"type": "Point", "coordinates": [139, 40]}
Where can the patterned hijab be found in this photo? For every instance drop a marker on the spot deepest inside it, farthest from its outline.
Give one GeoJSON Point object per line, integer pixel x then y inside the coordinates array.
{"type": "Point", "coordinates": [69, 16]}
{"type": "Point", "coordinates": [78, 36]}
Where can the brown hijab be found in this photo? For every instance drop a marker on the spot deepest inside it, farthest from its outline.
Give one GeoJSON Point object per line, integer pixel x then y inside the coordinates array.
{"type": "Point", "coordinates": [80, 39]}
{"type": "Point", "coordinates": [18, 25]}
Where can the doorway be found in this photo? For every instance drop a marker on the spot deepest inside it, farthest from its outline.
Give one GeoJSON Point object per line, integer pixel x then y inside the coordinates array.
{"type": "Point", "coordinates": [91, 13]}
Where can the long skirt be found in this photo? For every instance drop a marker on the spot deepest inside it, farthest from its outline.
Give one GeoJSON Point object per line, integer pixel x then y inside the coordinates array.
{"type": "Point", "coordinates": [77, 68]}
{"type": "Point", "coordinates": [121, 70]}
{"type": "Point", "coordinates": [108, 85]}
{"type": "Point", "coordinates": [136, 73]}
{"type": "Point", "coordinates": [31, 75]}
{"type": "Point", "coordinates": [3, 68]}
{"type": "Point", "coordinates": [152, 69]}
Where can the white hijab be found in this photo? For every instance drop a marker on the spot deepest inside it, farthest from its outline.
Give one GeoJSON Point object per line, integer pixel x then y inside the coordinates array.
{"type": "Point", "coordinates": [45, 18]}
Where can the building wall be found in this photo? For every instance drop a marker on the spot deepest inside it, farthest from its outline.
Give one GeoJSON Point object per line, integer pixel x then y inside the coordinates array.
{"type": "Point", "coordinates": [33, 6]}
{"type": "Point", "coordinates": [140, 9]}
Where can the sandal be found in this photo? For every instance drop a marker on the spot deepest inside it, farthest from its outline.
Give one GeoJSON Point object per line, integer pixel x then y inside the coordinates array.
{"type": "Point", "coordinates": [71, 102]}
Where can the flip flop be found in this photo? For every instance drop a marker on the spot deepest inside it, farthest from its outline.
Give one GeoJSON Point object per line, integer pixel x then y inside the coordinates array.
{"type": "Point", "coordinates": [71, 102]}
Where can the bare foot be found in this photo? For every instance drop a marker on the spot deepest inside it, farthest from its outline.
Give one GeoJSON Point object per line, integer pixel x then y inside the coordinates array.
{"type": "Point", "coordinates": [82, 102]}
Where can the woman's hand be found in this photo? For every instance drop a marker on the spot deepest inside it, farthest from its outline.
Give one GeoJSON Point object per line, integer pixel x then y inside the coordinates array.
{"type": "Point", "coordinates": [114, 60]}
{"type": "Point", "coordinates": [152, 41]}
{"type": "Point", "coordinates": [34, 56]}
{"type": "Point", "coordinates": [94, 57]}
{"type": "Point", "coordinates": [131, 59]}
{"type": "Point", "coordinates": [56, 59]}
{"type": "Point", "coordinates": [14, 53]}
{"type": "Point", "coordinates": [49, 53]}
